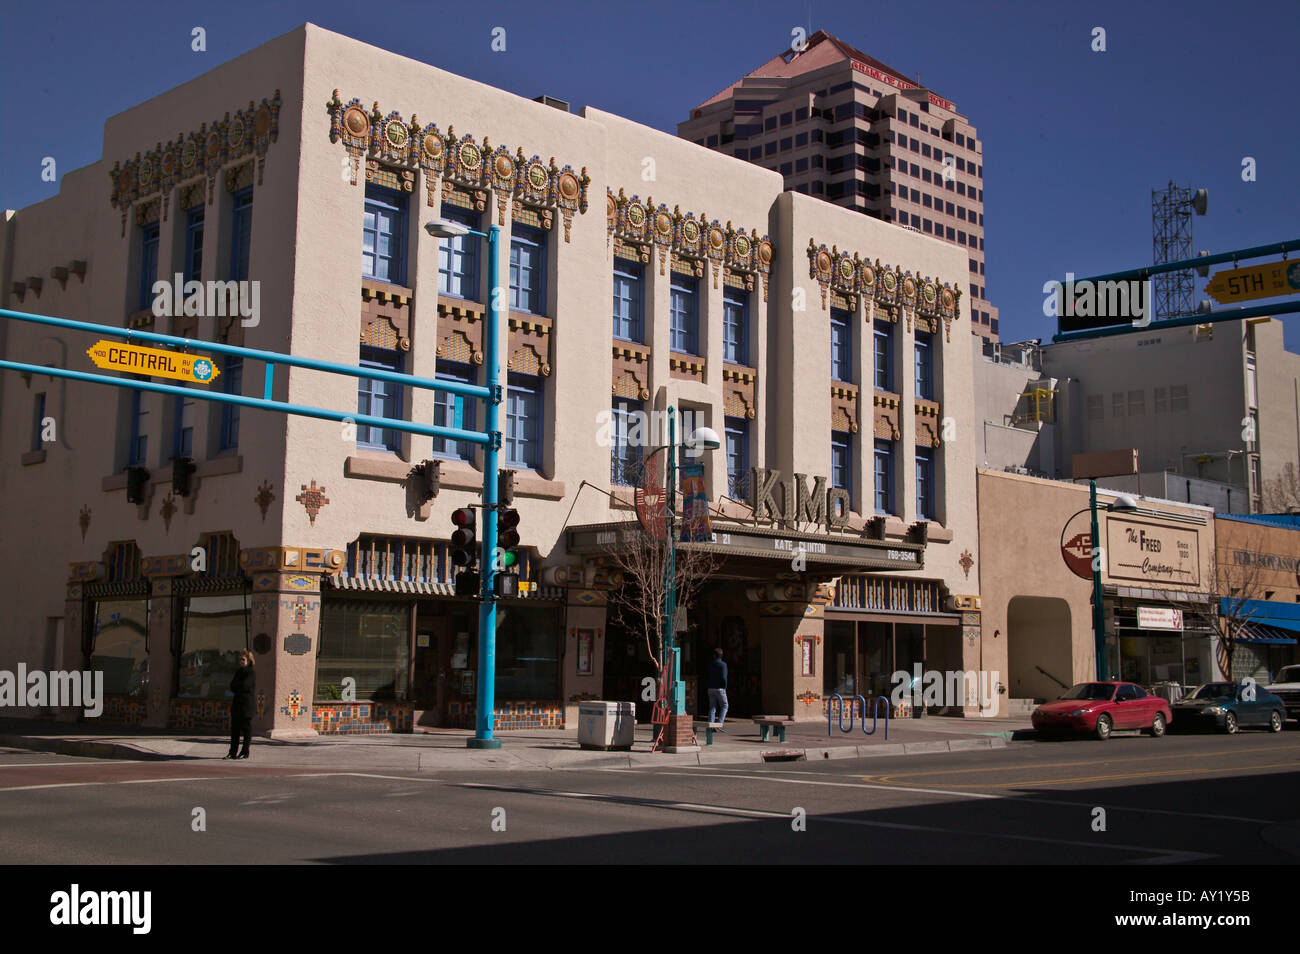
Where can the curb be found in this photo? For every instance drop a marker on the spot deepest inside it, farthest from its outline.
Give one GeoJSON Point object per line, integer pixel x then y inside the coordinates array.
{"type": "Point", "coordinates": [431, 762]}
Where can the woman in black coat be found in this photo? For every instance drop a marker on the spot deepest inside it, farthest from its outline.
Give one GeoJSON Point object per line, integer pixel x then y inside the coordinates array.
{"type": "Point", "coordinates": [241, 706]}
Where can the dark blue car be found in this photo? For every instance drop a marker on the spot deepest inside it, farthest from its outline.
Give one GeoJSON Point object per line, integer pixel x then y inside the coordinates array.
{"type": "Point", "coordinates": [1225, 706]}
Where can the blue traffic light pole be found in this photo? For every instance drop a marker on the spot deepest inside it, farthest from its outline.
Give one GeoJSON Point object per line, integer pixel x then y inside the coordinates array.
{"type": "Point", "coordinates": [485, 702]}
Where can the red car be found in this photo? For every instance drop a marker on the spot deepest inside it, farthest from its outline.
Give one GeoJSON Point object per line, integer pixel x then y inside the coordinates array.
{"type": "Point", "coordinates": [1099, 707]}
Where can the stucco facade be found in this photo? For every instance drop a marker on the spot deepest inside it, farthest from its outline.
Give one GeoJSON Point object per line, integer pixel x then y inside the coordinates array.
{"type": "Point", "coordinates": [306, 526]}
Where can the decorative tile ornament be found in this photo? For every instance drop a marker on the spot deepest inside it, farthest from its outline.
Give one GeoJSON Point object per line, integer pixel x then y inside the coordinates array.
{"type": "Point", "coordinates": [264, 497]}
{"type": "Point", "coordinates": [966, 562]}
{"type": "Point", "coordinates": [261, 704]}
{"type": "Point", "coordinates": [201, 153]}
{"type": "Point", "coordinates": [888, 290]}
{"type": "Point", "coordinates": [459, 160]}
{"type": "Point", "coordinates": [83, 521]}
{"type": "Point", "coordinates": [294, 705]}
{"type": "Point", "coordinates": [313, 499]}
{"type": "Point", "coordinates": [168, 511]}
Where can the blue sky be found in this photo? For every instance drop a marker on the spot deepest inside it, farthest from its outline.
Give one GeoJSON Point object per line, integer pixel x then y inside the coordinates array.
{"type": "Point", "coordinates": [1074, 140]}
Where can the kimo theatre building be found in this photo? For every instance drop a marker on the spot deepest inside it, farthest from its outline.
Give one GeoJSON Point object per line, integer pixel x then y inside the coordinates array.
{"type": "Point", "coordinates": [770, 603]}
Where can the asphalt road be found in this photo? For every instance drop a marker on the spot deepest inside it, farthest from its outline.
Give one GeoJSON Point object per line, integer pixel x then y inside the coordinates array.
{"type": "Point", "coordinates": [1177, 799]}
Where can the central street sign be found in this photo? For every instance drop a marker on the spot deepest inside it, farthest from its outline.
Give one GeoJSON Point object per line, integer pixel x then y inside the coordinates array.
{"type": "Point", "coordinates": [157, 362]}
{"type": "Point", "coordinates": [1255, 281]}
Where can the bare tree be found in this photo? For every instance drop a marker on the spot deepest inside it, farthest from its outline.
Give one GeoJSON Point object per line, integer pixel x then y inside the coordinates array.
{"type": "Point", "coordinates": [1282, 492]}
{"type": "Point", "coordinates": [642, 560]}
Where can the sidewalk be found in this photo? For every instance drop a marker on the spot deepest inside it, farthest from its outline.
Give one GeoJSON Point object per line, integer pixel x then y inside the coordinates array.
{"type": "Point", "coordinates": [444, 750]}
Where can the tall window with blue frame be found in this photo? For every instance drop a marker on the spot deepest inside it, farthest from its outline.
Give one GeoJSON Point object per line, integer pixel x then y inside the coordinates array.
{"type": "Point", "coordinates": [148, 264]}
{"type": "Point", "coordinates": [735, 325]}
{"type": "Point", "coordinates": [684, 314]}
{"type": "Point", "coordinates": [842, 463]}
{"type": "Point", "coordinates": [884, 476]}
{"type": "Point", "coordinates": [884, 355]}
{"type": "Point", "coordinates": [924, 484]}
{"type": "Point", "coordinates": [232, 377]}
{"type": "Point", "coordinates": [841, 345]}
{"type": "Point", "coordinates": [454, 410]}
{"type": "Point", "coordinates": [523, 438]}
{"type": "Point", "coordinates": [925, 365]}
{"type": "Point", "coordinates": [183, 427]}
{"type": "Point", "coordinates": [737, 437]}
{"type": "Point", "coordinates": [629, 296]}
{"type": "Point", "coordinates": [137, 453]}
{"type": "Point", "coordinates": [193, 264]}
{"type": "Point", "coordinates": [528, 269]}
{"type": "Point", "coordinates": [627, 437]}
{"type": "Point", "coordinates": [379, 398]}
{"type": "Point", "coordinates": [458, 256]}
{"type": "Point", "coordinates": [383, 235]}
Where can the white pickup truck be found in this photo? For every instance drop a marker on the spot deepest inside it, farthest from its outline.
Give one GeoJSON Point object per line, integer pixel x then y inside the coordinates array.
{"type": "Point", "coordinates": [1287, 688]}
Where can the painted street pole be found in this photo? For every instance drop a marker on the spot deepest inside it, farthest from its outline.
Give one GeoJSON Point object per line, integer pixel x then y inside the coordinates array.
{"type": "Point", "coordinates": [1098, 611]}
{"type": "Point", "coordinates": [677, 691]}
{"type": "Point", "coordinates": [485, 708]}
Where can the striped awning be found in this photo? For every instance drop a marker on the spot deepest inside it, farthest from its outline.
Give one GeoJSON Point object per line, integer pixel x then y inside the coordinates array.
{"type": "Point", "coordinates": [370, 584]}
{"type": "Point", "coordinates": [1260, 634]}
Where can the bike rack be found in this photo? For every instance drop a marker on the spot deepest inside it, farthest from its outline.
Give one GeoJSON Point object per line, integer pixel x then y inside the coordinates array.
{"type": "Point", "coordinates": [853, 708]}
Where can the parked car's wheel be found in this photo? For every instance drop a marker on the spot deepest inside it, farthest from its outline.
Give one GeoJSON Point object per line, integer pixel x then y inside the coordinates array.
{"type": "Point", "coordinates": [1275, 721]}
{"type": "Point", "coordinates": [1230, 723]}
{"type": "Point", "coordinates": [1158, 725]}
{"type": "Point", "coordinates": [1103, 726]}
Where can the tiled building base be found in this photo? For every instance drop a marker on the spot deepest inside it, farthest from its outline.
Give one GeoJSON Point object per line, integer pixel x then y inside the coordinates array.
{"type": "Point", "coordinates": [122, 710]}
{"type": "Point", "coordinates": [360, 718]}
{"type": "Point", "coordinates": [199, 714]}
{"type": "Point", "coordinates": [510, 715]}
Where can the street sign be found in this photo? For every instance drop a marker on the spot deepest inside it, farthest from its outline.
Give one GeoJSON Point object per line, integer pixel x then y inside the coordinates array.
{"type": "Point", "coordinates": [1077, 552]}
{"type": "Point", "coordinates": [1256, 281]}
{"type": "Point", "coordinates": [156, 362]}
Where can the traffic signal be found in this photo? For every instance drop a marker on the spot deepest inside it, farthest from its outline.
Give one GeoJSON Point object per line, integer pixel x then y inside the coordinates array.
{"type": "Point", "coordinates": [507, 563]}
{"type": "Point", "coordinates": [463, 553]}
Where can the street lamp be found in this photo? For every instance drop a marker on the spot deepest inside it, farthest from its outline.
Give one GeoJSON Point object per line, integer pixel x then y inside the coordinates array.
{"type": "Point", "coordinates": [1121, 504]}
{"type": "Point", "coordinates": [704, 438]}
{"type": "Point", "coordinates": [485, 702]}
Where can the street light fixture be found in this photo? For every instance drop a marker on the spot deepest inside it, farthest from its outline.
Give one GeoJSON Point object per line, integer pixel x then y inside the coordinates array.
{"type": "Point", "coordinates": [485, 701]}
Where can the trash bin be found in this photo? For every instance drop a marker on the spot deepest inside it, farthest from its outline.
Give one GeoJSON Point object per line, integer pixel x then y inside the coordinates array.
{"type": "Point", "coordinates": [606, 725]}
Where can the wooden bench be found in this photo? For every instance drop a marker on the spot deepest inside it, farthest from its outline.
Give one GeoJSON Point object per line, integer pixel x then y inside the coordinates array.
{"type": "Point", "coordinates": [710, 729]}
{"type": "Point", "coordinates": [766, 723]}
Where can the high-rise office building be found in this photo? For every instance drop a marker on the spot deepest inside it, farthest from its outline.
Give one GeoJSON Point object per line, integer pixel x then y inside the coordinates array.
{"type": "Point", "coordinates": [841, 126]}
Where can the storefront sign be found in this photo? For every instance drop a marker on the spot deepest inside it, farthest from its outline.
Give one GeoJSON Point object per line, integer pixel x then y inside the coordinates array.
{"type": "Point", "coordinates": [1152, 552]}
{"type": "Point", "coordinates": [799, 502]}
{"type": "Point", "coordinates": [1159, 617]}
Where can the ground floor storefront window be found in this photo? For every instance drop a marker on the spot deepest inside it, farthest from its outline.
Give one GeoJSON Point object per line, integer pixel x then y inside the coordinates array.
{"type": "Point", "coordinates": [528, 653]}
{"type": "Point", "coordinates": [121, 645]}
{"type": "Point", "coordinates": [214, 630]}
{"type": "Point", "coordinates": [367, 641]}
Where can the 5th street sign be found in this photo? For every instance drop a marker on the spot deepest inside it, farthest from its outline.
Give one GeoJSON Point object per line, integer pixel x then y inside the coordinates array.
{"type": "Point", "coordinates": [1255, 281]}
{"type": "Point", "coordinates": [157, 362]}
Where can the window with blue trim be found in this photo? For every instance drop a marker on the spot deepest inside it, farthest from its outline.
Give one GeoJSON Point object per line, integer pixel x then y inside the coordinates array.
{"type": "Point", "coordinates": [684, 311]}
{"type": "Point", "coordinates": [528, 269]}
{"type": "Point", "coordinates": [924, 484]}
{"type": "Point", "coordinates": [735, 326]}
{"type": "Point", "coordinates": [925, 365]}
{"type": "Point", "coordinates": [524, 422]}
{"type": "Point", "coordinates": [138, 449]}
{"type": "Point", "coordinates": [232, 382]}
{"type": "Point", "coordinates": [183, 427]}
{"type": "Point", "coordinates": [884, 355]}
{"type": "Point", "coordinates": [737, 437]}
{"type": "Point", "coordinates": [841, 345]}
{"type": "Point", "coordinates": [383, 235]}
{"type": "Point", "coordinates": [148, 264]}
{"type": "Point", "coordinates": [625, 446]}
{"type": "Point", "coordinates": [38, 416]}
{"type": "Point", "coordinates": [241, 234]}
{"type": "Point", "coordinates": [454, 410]}
{"type": "Point", "coordinates": [379, 398]}
{"type": "Point", "coordinates": [193, 264]}
{"type": "Point", "coordinates": [458, 256]}
{"type": "Point", "coordinates": [842, 463]}
{"type": "Point", "coordinates": [884, 476]}
{"type": "Point", "coordinates": [629, 284]}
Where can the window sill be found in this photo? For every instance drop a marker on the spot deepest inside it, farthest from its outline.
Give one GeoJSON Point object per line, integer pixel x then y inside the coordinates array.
{"type": "Point", "coordinates": [33, 457]}
{"type": "Point", "coordinates": [378, 467]}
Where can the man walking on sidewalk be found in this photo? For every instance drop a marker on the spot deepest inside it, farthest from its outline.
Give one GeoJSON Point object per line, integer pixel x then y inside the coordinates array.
{"type": "Point", "coordinates": [718, 688]}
